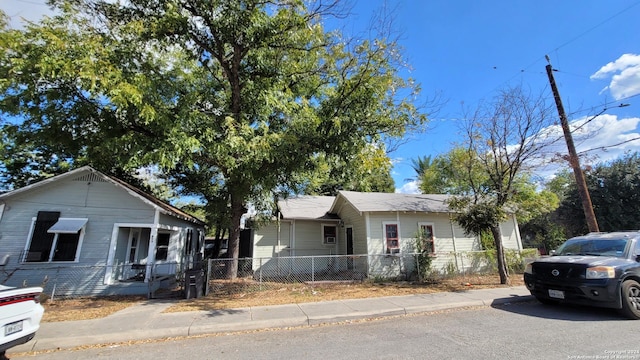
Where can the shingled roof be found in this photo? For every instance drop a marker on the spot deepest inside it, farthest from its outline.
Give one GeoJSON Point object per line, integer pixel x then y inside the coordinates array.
{"type": "Point", "coordinates": [307, 207]}
{"type": "Point", "coordinates": [370, 202]}
{"type": "Point", "coordinates": [325, 207]}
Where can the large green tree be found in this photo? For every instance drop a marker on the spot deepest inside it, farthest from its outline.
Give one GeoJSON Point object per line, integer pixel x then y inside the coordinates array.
{"type": "Point", "coordinates": [241, 95]}
{"type": "Point", "coordinates": [615, 193]}
{"type": "Point", "coordinates": [366, 171]}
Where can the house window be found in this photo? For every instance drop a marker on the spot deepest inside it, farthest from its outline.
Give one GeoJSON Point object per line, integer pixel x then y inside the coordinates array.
{"type": "Point", "coordinates": [54, 238]}
{"type": "Point", "coordinates": [133, 247]}
{"type": "Point", "coordinates": [162, 248]}
{"type": "Point", "coordinates": [187, 248]}
{"type": "Point", "coordinates": [427, 236]}
{"type": "Point", "coordinates": [329, 234]}
{"type": "Point", "coordinates": [392, 239]}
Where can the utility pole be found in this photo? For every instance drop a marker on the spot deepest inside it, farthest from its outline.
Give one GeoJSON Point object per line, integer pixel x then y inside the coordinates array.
{"type": "Point", "coordinates": [590, 216]}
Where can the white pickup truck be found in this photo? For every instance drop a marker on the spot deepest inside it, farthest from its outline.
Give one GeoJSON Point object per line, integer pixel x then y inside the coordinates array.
{"type": "Point", "coordinates": [20, 315]}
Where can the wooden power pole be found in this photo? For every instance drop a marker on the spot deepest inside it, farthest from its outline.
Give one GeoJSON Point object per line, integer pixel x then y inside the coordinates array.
{"type": "Point", "coordinates": [590, 216]}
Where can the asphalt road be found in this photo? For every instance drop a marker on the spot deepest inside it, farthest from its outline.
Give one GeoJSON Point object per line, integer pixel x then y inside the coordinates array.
{"type": "Point", "coordinates": [517, 331]}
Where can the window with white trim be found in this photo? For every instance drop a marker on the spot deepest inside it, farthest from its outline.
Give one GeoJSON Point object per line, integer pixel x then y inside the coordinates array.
{"type": "Point", "coordinates": [392, 238]}
{"type": "Point", "coordinates": [54, 238]}
{"type": "Point", "coordinates": [329, 234]}
{"type": "Point", "coordinates": [427, 237]}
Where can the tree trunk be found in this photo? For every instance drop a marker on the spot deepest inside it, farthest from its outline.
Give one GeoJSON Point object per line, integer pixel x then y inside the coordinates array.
{"type": "Point", "coordinates": [500, 258]}
{"type": "Point", "coordinates": [237, 210]}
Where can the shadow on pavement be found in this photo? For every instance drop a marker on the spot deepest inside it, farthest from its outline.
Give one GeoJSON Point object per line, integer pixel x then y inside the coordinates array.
{"type": "Point", "coordinates": [214, 313]}
{"type": "Point", "coordinates": [560, 311]}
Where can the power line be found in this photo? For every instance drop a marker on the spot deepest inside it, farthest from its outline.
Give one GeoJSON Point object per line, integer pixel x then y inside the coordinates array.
{"type": "Point", "coordinates": [605, 147]}
{"type": "Point", "coordinates": [542, 58]}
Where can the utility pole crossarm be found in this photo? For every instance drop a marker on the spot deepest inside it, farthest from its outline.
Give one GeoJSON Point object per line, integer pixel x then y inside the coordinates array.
{"type": "Point", "coordinates": [573, 156]}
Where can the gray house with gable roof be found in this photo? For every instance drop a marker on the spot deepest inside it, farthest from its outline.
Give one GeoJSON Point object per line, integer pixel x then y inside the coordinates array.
{"type": "Point", "coordinates": [382, 225]}
{"type": "Point", "coordinates": [88, 233]}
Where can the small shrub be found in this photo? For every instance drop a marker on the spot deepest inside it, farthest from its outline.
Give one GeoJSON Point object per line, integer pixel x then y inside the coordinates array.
{"type": "Point", "coordinates": [423, 257]}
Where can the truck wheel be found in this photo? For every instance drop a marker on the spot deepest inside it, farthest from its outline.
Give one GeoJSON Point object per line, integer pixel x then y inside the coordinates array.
{"type": "Point", "coordinates": [631, 299]}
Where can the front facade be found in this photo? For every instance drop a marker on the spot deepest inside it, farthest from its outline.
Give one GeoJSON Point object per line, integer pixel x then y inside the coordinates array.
{"type": "Point", "coordinates": [91, 234]}
{"type": "Point", "coordinates": [382, 226]}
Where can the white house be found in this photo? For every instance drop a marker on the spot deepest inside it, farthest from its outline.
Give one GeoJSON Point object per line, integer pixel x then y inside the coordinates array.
{"type": "Point", "coordinates": [87, 233]}
{"type": "Point", "coordinates": [381, 225]}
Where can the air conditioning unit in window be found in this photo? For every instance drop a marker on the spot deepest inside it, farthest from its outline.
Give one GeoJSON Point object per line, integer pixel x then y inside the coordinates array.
{"type": "Point", "coordinates": [330, 240]}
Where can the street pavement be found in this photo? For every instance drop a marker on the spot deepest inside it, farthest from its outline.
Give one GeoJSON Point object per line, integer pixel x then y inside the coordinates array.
{"type": "Point", "coordinates": [147, 320]}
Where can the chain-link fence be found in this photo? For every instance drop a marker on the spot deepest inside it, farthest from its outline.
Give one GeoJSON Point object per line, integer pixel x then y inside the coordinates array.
{"type": "Point", "coordinates": [256, 274]}
{"type": "Point", "coordinates": [73, 281]}
{"type": "Point", "coordinates": [252, 274]}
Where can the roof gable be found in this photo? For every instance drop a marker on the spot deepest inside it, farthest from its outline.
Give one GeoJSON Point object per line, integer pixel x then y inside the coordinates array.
{"type": "Point", "coordinates": [90, 174]}
{"type": "Point", "coordinates": [306, 207]}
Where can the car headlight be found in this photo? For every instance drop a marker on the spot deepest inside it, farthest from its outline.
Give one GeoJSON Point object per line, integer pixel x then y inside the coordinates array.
{"type": "Point", "coordinates": [528, 269]}
{"type": "Point", "coordinates": [601, 272]}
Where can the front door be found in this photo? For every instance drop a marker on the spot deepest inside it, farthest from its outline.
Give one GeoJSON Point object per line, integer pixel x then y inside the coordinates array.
{"type": "Point", "coordinates": [349, 248]}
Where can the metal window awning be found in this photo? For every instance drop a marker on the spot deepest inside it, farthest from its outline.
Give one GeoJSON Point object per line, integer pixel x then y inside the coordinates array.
{"type": "Point", "coordinates": [67, 226]}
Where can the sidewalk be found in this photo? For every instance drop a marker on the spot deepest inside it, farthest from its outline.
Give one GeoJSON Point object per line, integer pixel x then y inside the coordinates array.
{"type": "Point", "coordinates": [147, 320]}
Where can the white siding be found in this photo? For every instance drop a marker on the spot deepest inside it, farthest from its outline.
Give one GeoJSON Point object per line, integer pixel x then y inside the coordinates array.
{"type": "Point", "coordinates": [307, 238]}
{"type": "Point", "coordinates": [265, 240]}
{"type": "Point", "coordinates": [352, 218]}
{"type": "Point", "coordinates": [101, 202]}
{"type": "Point", "coordinates": [510, 234]}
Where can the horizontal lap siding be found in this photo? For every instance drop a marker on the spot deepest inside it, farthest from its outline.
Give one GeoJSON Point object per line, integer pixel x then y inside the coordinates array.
{"type": "Point", "coordinates": [446, 240]}
{"type": "Point", "coordinates": [307, 239]}
{"type": "Point", "coordinates": [265, 240]}
{"type": "Point", "coordinates": [178, 239]}
{"type": "Point", "coordinates": [409, 229]}
{"type": "Point", "coordinates": [353, 219]}
{"type": "Point", "coordinates": [510, 234]}
{"type": "Point", "coordinates": [100, 202]}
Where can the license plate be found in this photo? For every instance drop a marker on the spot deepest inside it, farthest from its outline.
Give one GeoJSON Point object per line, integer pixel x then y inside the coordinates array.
{"type": "Point", "coordinates": [13, 328]}
{"type": "Point", "coordinates": [556, 294]}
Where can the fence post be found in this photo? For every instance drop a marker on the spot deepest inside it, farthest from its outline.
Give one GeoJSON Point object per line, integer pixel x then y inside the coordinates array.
{"type": "Point", "coordinates": [313, 270]}
{"type": "Point", "coordinates": [208, 277]}
{"type": "Point", "coordinates": [260, 272]}
{"type": "Point", "coordinates": [464, 273]}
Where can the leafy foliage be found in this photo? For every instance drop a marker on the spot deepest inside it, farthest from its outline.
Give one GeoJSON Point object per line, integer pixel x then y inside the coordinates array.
{"type": "Point", "coordinates": [231, 99]}
{"type": "Point", "coordinates": [615, 193]}
{"type": "Point", "coordinates": [367, 171]}
{"type": "Point", "coordinates": [424, 256]}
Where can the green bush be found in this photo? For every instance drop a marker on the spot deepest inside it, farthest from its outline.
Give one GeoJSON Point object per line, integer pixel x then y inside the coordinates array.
{"type": "Point", "coordinates": [486, 261]}
{"type": "Point", "coordinates": [423, 257]}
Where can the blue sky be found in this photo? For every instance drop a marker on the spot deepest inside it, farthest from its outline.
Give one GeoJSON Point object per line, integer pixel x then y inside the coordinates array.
{"type": "Point", "coordinates": [466, 50]}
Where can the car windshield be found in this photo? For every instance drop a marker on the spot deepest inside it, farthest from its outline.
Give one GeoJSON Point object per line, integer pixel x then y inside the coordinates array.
{"type": "Point", "coordinates": [593, 247]}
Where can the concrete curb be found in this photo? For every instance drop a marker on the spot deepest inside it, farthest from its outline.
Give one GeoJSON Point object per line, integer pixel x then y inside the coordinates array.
{"type": "Point", "coordinates": [148, 321]}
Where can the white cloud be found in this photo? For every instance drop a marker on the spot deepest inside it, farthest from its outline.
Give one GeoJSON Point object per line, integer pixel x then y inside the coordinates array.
{"type": "Point", "coordinates": [409, 188]}
{"type": "Point", "coordinates": [597, 140]}
{"type": "Point", "coordinates": [624, 74]}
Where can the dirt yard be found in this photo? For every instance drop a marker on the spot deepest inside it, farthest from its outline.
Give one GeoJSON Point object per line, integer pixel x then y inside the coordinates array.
{"type": "Point", "coordinates": [245, 294]}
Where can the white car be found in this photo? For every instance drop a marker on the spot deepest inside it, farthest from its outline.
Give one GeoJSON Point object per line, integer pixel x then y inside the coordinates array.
{"type": "Point", "coordinates": [20, 315]}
